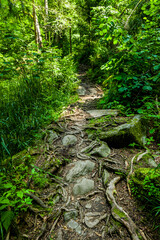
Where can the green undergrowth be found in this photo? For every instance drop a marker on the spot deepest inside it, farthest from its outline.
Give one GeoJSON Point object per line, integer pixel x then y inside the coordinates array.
{"type": "Point", "coordinates": [145, 186]}
{"type": "Point", "coordinates": [23, 177]}
{"type": "Point", "coordinates": [34, 91]}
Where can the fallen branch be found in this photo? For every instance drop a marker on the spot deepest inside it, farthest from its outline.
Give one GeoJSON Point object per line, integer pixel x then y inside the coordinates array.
{"type": "Point", "coordinates": [119, 213]}
{"type": "Point", "coordinates": [36, 199]}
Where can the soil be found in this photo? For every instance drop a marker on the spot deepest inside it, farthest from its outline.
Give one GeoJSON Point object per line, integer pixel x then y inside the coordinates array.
{"type": "Point", "coordinates": [57, 193]}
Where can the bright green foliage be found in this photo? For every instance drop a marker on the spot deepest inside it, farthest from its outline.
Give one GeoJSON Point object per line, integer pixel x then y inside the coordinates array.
{"type": "Point", "coordinates": [12, 198]}
{"type": "Point", "coordinates": [127, 47]}
{"type": "Point", "coordinates": [133, 67]}
{"type": "Point", "coordinates": [145, 186]}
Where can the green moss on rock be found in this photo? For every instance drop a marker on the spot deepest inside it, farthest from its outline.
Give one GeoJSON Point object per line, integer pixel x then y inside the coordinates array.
{"type": "Point", "coordinates": [125, 134]}
{"type": "Point", "coordinates": [145, 184]}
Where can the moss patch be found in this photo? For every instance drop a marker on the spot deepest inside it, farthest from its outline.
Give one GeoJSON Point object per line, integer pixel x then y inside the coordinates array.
{"type": "Point", "coordinates": [119, 213]}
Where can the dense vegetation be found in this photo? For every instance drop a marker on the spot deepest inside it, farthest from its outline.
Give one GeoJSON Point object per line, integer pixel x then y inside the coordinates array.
{"type": "Point", "coordinates": [41, 45]}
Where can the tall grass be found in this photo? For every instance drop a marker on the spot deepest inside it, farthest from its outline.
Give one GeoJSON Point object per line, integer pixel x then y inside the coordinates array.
{"type": "Point", "coordinates": [31, 88]}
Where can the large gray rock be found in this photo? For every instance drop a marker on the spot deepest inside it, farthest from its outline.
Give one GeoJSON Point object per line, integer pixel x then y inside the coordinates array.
{"type": "Point", "coordinates": [80, 168]}
{"type": "Point", "coordinates": [81, 91]}
{"type": "Point", "coordinates": [102, 112]}
{"type": "Point", "coordinates": [69, 140]}
{"type": "Point", "coordinates": [93, 91]}
{"type": "Point", "coordinates": [102, 151]}
{"type": "Point", "coordinates": [83, 186]}
{"type": "Point", "coordinates": [127, 133]}
{"type": "Point", "coordinates": [74, 225]}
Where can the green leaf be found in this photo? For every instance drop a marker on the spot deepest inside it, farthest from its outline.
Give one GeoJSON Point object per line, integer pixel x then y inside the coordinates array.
{"type": "Point", "coordinates": [4, 201]}
{"type": "Point", "coordinates": [6, 219]}
{"type": "Point", "coordinates": [115, 41]}
{"type": "Point", "coordinates": [122, 89]}
{"type": "Point", "coordinates": [20, 194]}
{"type": "Point", "coordinates": [148, 88]}
{"type": "Point", "coordinates": [151, 131]}
{"type": "Point", "coordinates": [8, 185]}
{"type": "Point", "coordinates": [3, 207]}
{"type": "Point", "coordinates": [140, 111]}
{"type": "Point", "coordinates": [157, 67]}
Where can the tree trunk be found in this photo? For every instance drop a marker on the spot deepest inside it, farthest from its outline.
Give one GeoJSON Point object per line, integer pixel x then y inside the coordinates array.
{"type": "Point", "coordinates": [46, 8]}
{"type": "Point", "coordinates": [70, 39]}
{"type": "Point", "coordinates": [46, 18]}
{"type": "Point", "coordinates": [38, 37]}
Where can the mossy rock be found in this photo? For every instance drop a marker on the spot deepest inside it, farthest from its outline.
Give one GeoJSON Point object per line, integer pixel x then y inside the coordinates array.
{"type": "Point", "coordinates": [140, 174]}
{"type": "Point", "coordinates": [145, 184]}
{"type": "Point", "coordinates": [23, 157]}
{"type": "Point", "coordinates": [127, 133]}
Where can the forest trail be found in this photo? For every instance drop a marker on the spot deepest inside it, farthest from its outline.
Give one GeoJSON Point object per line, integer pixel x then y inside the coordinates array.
{"type": "Point", "coordinates": [90, 201]}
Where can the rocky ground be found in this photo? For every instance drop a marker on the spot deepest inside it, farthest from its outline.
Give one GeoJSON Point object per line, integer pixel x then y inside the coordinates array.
{"type": "Point", "coordinates": [88, 195]}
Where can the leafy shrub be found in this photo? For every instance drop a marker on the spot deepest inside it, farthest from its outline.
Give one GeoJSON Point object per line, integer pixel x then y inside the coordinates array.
{"type": "Point", "coordinates": [13, 199]}
{"type": "Point", "coordinates": [145, 186]}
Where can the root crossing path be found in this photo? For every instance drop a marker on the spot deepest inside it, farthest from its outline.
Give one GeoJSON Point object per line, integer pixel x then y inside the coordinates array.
{"type": "Point", "coordinates": [91, 200]}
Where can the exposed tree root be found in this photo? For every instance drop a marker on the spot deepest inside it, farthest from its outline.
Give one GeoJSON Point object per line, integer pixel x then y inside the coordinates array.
{"type": "Point", "coordinates": [119, 213]}
{"type": "Point", "coordinates": [90, 147]}
{"type": "Point", "coordinates": [139, 156]}
{"type": "Point", "coordinates": [115, 169]}
{"type": "Point", "coordinates": [82, 156]}
{"type": "Point", "coordinates": [90, 195]}
{"type": "Point", "coordinates": [129, 174]}
{"type": "Point", "coordinates": [54, 224]}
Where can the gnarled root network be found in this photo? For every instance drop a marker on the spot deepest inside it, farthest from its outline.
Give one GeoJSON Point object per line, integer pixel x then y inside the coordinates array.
{"type": "Point", "coordinates": [119, 213]}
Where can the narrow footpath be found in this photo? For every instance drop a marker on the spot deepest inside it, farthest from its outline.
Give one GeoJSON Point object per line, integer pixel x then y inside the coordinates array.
{"type": "Point", "coordinates": [90, 199]}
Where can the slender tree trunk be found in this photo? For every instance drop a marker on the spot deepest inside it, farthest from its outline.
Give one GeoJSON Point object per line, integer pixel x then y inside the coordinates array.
{"type": "Point", "coordinates": [70, 39]}
{"type": "Point", "coordinates": [38, 37]}
{"type": "Point", "coordinates": [46, 8]}
{"type": "Point", "coordinates": [126, 26]}
{"type": "Point", "coordinates": [46, 18]}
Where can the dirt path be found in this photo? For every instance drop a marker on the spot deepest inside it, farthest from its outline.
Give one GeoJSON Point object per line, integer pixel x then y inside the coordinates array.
{"type": "Point", "coordinates": [80, 206]}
